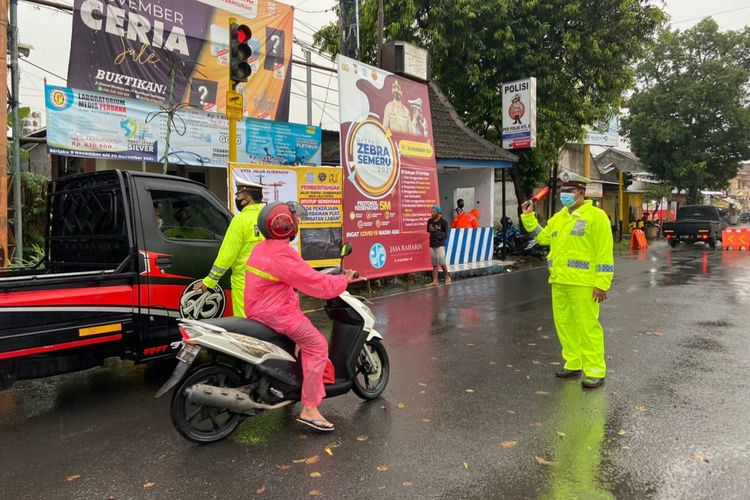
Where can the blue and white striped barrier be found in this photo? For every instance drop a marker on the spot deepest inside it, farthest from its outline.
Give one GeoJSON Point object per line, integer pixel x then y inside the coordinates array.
{"type": "Point", "coordinates": [469, 245]}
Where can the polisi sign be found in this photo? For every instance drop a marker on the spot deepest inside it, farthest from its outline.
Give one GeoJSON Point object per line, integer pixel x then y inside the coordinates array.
{"type": "Point", "coordinates": [519, 114]}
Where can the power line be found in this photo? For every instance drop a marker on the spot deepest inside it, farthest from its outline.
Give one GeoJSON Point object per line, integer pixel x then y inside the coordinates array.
{"type": "Point", "coordinates": [329, 9]}
{"type": "Point", "coordinates": [43, 69]}
{"type": "Point", "coordinates": [312, 83]}
{"type": "Point", "coordinates": [711, 15]}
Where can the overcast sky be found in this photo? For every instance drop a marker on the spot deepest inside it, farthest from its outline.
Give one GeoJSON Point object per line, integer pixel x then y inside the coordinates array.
{"type": "Point", "coordinates": [49, 30]}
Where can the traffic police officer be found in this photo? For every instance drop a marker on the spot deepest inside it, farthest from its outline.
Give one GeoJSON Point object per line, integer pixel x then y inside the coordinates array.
{"type": "Point", "coordinates": [242, 235]}
{"type": "Point", "coordinates": [581, 267]}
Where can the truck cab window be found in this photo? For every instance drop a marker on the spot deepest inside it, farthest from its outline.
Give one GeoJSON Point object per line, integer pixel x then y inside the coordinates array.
{"type": "Point", "coordinates": [187, 216]}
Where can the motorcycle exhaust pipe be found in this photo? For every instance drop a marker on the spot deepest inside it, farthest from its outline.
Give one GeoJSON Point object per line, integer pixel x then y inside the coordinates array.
{"type": "Point", "coordinates": [233, 400]}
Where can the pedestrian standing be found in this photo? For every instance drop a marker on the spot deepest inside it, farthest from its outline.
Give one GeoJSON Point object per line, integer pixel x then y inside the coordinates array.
{"type": "Point", "coordinates": [438, 230]}
{"type": "Point", "coordinates": [242, 235]}
{"type": "Point", "coordinates": [581, 267]}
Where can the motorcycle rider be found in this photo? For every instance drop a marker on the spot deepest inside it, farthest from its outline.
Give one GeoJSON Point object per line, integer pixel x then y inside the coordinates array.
{"type": "Point", "coordinates": [274, 271]}
{"type": "Point", "coordinates": [242, 235]}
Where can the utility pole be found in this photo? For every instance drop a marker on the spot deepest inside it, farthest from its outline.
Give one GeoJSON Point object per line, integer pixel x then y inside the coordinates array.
{"type": "Point", "coordinates": [349, 22]}
{"type": "Point", "coordinates": [17, 205]}
{"type": "Point", "coordinates": [587, 160]}
{"type": "Point", "coordinates": [380, 33]}
{"type": "Point", "coordinates": [4, 139]}
{"type": "Point", "coordinates": [308, 59]}
{"type": "Point", "coordinates": [621, 203]}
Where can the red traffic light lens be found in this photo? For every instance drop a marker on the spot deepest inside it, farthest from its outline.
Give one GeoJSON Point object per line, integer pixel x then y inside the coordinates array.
{"type": "Point", "coordinates": [242, 33]}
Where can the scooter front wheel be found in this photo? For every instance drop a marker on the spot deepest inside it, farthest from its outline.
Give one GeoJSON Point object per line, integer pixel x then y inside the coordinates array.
{"type": "Point", "coordinates": [200, 423]}
{"type": "Point", "coordinates": [371, 372]}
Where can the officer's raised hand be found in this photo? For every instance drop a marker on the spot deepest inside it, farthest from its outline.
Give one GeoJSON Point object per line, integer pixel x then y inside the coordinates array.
{"type": "Point", "coordinates": [527, 206]}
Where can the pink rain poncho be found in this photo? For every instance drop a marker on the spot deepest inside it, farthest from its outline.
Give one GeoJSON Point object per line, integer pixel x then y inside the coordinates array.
{"type": "Point", "coordinates": [274, 271]}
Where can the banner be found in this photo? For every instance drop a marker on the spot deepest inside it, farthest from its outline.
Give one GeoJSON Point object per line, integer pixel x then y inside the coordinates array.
{"type": "Point", "coordinates": [318, 189]}
{"type": "Point", "coordinates": [129, 48]}
{"type": "Point", "coordinates": [96, 125]}
{"type": "Point", "coordinates": [388, 158]}
{"type": "Point", "coordinates": [519, 114]}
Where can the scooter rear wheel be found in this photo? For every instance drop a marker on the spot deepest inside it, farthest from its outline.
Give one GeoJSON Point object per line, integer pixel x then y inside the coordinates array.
{"type": "Point", "coordinates": [199, 423]}
{"type": "Point", "coordinates": [370, 381]}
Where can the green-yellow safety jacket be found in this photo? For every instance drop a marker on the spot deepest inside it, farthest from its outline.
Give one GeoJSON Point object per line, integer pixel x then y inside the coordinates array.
{"type": "Point", "coordinates": [241, 237]}
{"type": "Point", "coordinates": [580, 246]}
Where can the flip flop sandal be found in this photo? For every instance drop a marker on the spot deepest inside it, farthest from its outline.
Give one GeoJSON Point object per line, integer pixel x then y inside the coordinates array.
{"type": "Point", "coordinates": [315, 424]}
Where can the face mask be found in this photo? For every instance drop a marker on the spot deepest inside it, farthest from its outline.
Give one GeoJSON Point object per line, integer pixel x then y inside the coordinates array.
{"type": "Point", "coordinates": [238, 202]}
{"type": "Point", "coordinates": [568, 199]}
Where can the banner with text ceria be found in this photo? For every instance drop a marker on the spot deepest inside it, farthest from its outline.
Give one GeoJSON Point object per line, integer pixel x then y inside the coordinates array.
{"type": "Point", "coordinates": [318, 189]}
{"type": "Point", "coordinates": [128, 48]}
{"type": "Point", "coordinates": [387, 152]}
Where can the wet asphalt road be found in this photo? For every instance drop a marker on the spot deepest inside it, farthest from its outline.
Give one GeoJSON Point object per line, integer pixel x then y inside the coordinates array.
{"type": "Point", "coordinates": [472, 409]}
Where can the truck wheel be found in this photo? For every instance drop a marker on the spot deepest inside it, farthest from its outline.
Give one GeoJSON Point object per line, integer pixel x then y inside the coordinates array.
{"type": "Point", "coordinates": [199, 423]}
{"type": "Point", "coordinates": [674, 243]}
{"type": "Point", "coordinates": [370, 381]}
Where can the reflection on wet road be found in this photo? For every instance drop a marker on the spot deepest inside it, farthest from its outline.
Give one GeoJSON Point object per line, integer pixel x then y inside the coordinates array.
{"type": "Point", "coordinates": [472, 410]}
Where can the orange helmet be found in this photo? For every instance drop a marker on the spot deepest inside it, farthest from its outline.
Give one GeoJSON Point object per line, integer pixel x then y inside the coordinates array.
{"type": "Point", "coordinates": [280, 220]}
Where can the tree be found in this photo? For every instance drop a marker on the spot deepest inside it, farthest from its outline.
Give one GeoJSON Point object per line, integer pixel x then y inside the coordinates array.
{"type": "Point", "coordinates": [580, 51]}
{"type": "Point", "coordinates": [689, 119]}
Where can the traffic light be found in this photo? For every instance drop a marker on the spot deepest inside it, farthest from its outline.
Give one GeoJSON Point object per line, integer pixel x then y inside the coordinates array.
{"type": "Point", "coordinates": [240, 52]}
{"type": "Point", "coordinates": [627, 179]}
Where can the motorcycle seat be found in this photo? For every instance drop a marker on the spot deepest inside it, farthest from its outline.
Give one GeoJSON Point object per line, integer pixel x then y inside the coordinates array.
{"type": "Point", "coordinates": [253, 329]}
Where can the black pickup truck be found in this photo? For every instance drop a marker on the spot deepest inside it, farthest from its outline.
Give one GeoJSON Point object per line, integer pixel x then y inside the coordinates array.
{"type": "Point", "coordinates": [695, 223]}
{"type": "Point", "coordinates": [123, 252]}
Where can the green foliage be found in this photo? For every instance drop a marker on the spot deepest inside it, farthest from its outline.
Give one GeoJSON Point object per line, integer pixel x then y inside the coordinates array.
{"type": "Point", "coordinates": [34, 187]}
{"type": "Point", "coordinates": [689, 119]}
{"type": "Point", "coordinates": [580, 51]}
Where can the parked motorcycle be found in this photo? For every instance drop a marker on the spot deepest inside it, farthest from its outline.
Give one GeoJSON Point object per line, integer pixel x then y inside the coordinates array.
{"type": "Point", "coordinates": [233, 368]}
{"type": "Point", "coordinates": [509, 240]}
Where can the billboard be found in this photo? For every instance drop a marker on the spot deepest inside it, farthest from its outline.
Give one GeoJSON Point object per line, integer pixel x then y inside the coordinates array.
{"type": "Point", "coordinates": [604, 133]}
{"type": "Point", "coordinates": [388, 157]}
{"type": "Point", "coordinates": [128, 48]}
{"type": "Point", "coordinates": [318, 189]}
{"type": "Point", "coordinates": [96, 125]}
{"type": "Point", "coordinates": [519, 114]}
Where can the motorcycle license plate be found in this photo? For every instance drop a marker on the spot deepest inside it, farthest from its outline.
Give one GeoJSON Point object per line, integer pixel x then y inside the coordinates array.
{"type": "Point", "coordinates": [188, 352]}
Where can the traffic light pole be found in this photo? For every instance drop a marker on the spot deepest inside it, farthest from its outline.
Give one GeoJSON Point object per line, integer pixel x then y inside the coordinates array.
{"type": "Point", "coordinates": [622, 203]}
{"type": "Point", "coordinates": [17, 205]}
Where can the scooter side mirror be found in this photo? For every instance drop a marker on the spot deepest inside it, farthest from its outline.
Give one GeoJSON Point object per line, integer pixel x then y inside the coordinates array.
{"type": "Point", "coordinates": [346, 249]}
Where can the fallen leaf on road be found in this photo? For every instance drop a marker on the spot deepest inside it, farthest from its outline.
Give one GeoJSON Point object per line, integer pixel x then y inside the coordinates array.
{"type": "Point", "coordinates": [535, 362]}
{"type": "Point", "coordinates": [654, 334]}
{"type": "Point", "coordinates": [299, 461]}
{"type": "Point", "coordinates": [315, 474]}
{"type": "Point", "coordinates": [315, 493]}
{"type": "Point", "coordinates": [471, 345]}
{"type": "Point", "coordinates": [382, 467]}
{"type": "Point", "coordinates": [545, 337]}
{"type": "Point", "coordinates": [330, 447]}
{"type": "Point", "coordinates": [302, 436]}
{"type": "Point", "coordinates": [469, 390]}
{"type": "Point", "coordinates": [555, 363]}
{"type": "Point", "coordinates": [73, 477]}
{"type": "Point", "coordinates": [621, 432]}
{"type": "Point", "coordinates": [260, 490]}
{"type": "Point", "coordinates": [426, 420]}
{"type": "Point", "coordinates": [362, 438]}
{"type": "Point", "coordinates": [401, 405]}
{"type": "Point", "coordinates": [422, 384]}
{"type": "Point", "coordinates": [699, 458]}
{"type": "Point", "coordinates": [543, 461]}
{"type": "Point", "coordinates": [423, 392]}
{"type": "Point", "coordinates": [532, 344]}
{"type": "Point", "coordinates": [149, 485]}
{"type": "Point", "coordinates": [493, 362]}
{"type": "Point", "coordinates": [406, 483]}
{"type": "Point", "coordinates": [509, 366]}
{"type": "Point", "coordinates": [466, 466]}
{"type": "Point", "coordinates": [508, 444]}
{"type": "Point", "coordinates": [284, 467]}
{"type": "Point", "coordinates": [312, 460]}
{"type": "Point", "coordinates": [626, 447]}
{"type": "Point", "coordinates": [561, 434]}
{"type": "Point", "coordinates": [640, 407]}
{"type": "Point", "coordinates": [539, 329]}
{"type": "Point", "coordinates": [511, 412]}
{"type": "Point", "coordinates": [535, 424]}
{"type": "Point", "coordinates": [542, 393]}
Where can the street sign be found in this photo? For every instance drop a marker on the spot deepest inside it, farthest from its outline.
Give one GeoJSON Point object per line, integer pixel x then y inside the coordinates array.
{"type": "Point", "coordinates": [234, 105]}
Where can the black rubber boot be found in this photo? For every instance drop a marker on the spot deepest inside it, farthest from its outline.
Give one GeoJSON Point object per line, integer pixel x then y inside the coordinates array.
{"type": "Point", "coordinates": [565, 373]}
